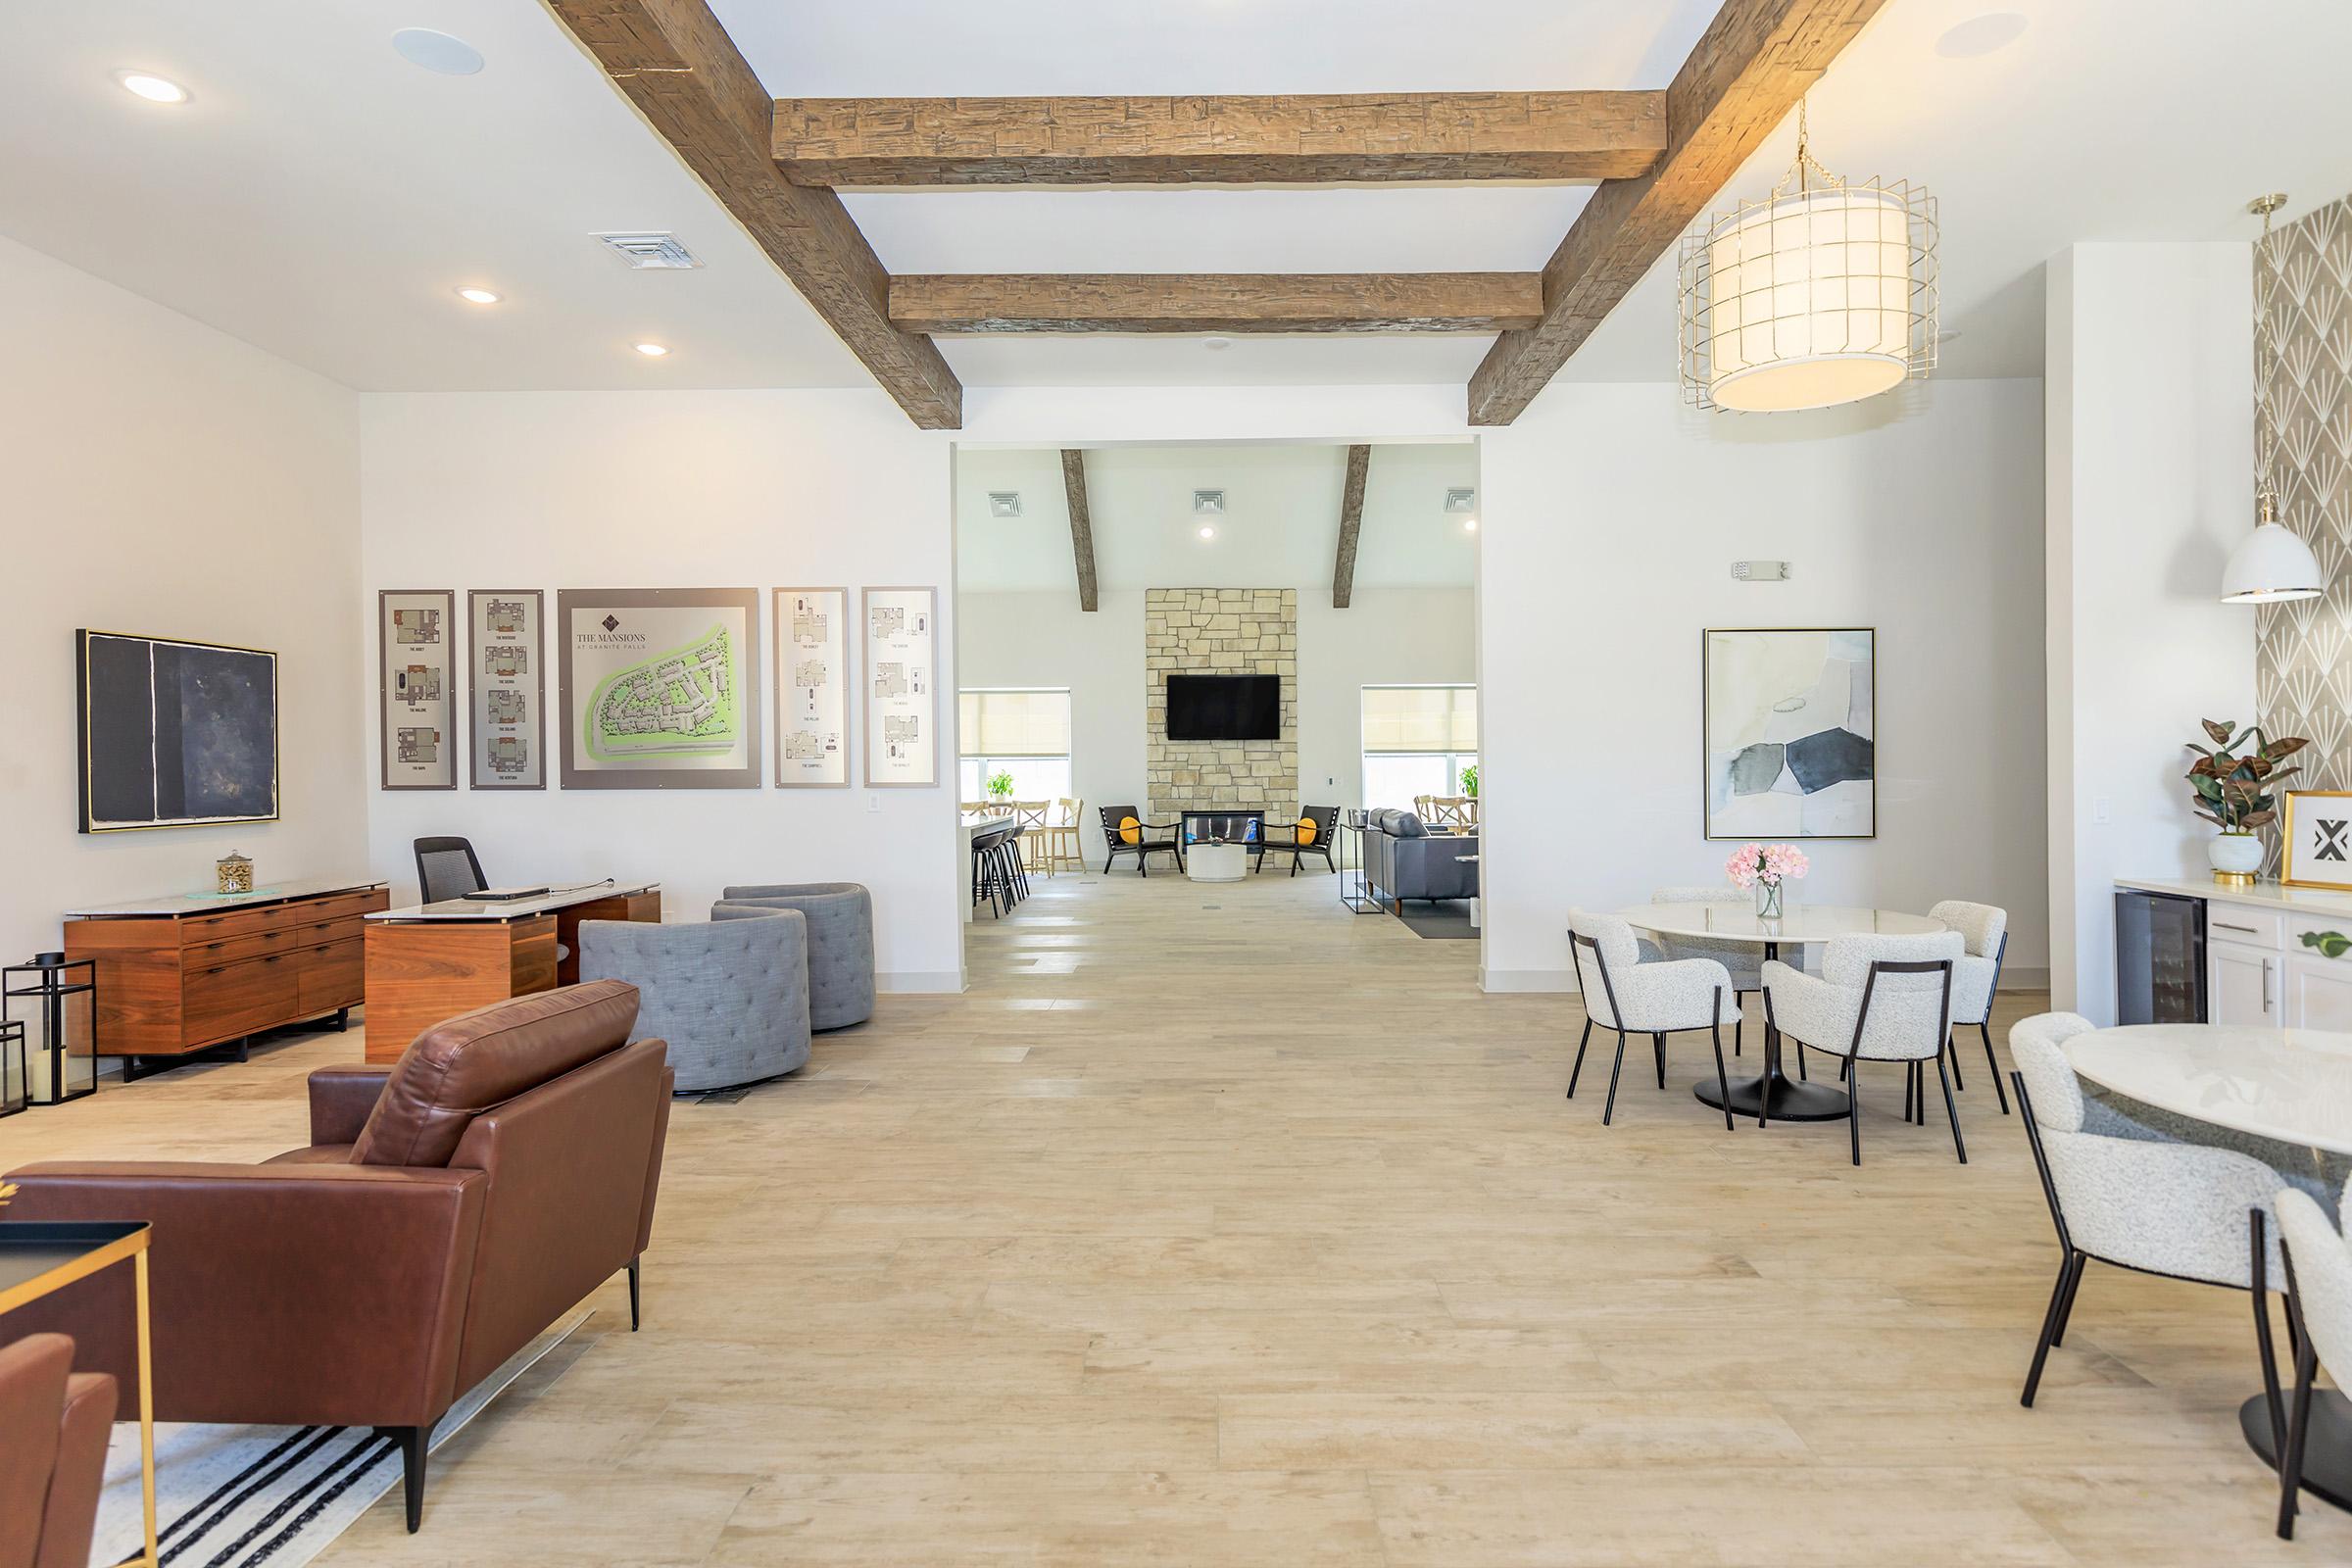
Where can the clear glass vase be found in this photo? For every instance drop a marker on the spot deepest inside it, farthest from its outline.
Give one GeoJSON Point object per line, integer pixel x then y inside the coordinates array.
{"type": "Point", "coordinates": [1768, 901]}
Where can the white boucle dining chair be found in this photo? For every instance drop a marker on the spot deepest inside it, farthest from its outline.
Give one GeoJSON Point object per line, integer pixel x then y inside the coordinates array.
{"type": "Point", "coordinates": [1876, 999]}
{"type": "Point", "coordinates": [1976, 975]}
{"type": "Point", "coordinates": [1656, 998]}
{"type": "Point", "coordinates": [2319, 1285]}
{"type": "Point", "coordinates": [2125, 1192]}
{"type": "Point", "coordinates": [1741, 960]}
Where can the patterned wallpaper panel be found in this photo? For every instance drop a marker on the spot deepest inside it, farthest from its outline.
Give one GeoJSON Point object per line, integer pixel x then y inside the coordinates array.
{"type": "Point", "coordinates": [2303, 651]}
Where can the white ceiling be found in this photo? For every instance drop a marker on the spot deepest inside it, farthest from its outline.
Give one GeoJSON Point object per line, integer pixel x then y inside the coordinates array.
{"type": "Point", "coordinates": [1281, 526]}
{"type": "Point", "coordinates": [320, 196]}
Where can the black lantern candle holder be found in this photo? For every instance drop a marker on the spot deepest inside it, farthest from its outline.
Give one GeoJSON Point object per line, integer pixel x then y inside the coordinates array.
{"type": "Point", "coordinates": [66, 993]}
{"type": "Point", "coordinates": [16, 1084]}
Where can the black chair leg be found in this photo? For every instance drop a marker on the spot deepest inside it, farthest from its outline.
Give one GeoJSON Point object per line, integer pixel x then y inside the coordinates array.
{"type": "Point", "coordinates": [412, 1441]}
{"type": "Point", "coordinates": [2049, 1321]}
{"type": "Point", "coordinates": [1993, 1066]}
{"type": "Point", "coordinates": [1853, 1107]}
{"type": "Point", "coordinates": [1610, 1109]}
{"type": "Point", "coordinates": [1581, 1041]}
{"type": "Point", "coordinates": [2298, 1426]}
{"type": "Point", "coordinates": [2065, 1307]}
{"type": "Point", "coordinates": [1723, 1084]}
{"type": "Point", "coordinates": [1658, 1042]}
{"type": "Point", "coordinates": [1953, 1046]}
{"type": "Point", "coordinates": [1950, 1109]}
{"type": "Point", "coordinates": [636, 1316]}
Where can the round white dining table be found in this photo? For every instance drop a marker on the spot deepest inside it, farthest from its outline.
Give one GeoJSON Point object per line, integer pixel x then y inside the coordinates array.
{"type": "Point", "coordinates": [2293, 1086]}
{"type": "Point", "coordinates": [1772, 1094]}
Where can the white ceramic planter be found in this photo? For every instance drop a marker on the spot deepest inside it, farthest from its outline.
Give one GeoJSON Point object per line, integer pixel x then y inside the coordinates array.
{"type": "Point", "coordinates": [2236, 856]}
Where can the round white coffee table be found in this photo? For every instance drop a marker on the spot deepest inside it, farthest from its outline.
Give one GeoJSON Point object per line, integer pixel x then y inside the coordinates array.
{"type": "Point", "coordinates": [1217, 862]}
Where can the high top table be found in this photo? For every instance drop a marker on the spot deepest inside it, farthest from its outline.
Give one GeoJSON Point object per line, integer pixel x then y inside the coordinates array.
{"type": "Point", "coordinates": [1734, 921]}
{"type": "Point", "coordinates": [430, 962]}
{"type": "Point", "coordinates": [2293, 1086]}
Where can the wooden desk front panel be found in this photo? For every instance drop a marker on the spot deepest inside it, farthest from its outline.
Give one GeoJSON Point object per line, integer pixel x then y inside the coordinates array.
{"type": "Point", "coordinates": [419, 973]}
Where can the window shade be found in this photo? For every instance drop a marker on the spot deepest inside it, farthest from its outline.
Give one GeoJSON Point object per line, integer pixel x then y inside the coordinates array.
{"type": "Point", "coordinates": [1420, 718]}
{"type": "Point", "coordinates": [1012, 723]}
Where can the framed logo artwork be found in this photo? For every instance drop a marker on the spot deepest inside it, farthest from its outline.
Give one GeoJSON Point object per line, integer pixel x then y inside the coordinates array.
{"type": "Point", "coordinates": [2315, 841]}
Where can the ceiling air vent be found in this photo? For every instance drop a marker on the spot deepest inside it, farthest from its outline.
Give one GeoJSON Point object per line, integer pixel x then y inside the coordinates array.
{"type": "Point", "coordinates": [651, 250]}
{"type": "Point", "coordinates": [1003, 503]}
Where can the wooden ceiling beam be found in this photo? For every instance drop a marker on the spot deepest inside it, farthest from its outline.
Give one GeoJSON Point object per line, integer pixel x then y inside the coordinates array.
{"type": "Point", "coordinates": [1351, 524]}
{"type": "Point", "coordinates": [1082, 525]}
{"type": "Point", "coordinates": [1756, 60]}
{"type": "Point", "coordinates": [677, 65]}
{"type": "Point", "coordinates": [1266, 139]}
{"type": "Point", "coordinates": [1221, 302]}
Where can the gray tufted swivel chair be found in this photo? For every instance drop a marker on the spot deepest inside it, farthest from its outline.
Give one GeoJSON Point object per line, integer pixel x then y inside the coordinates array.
{"type": "Point", "coordinates": [841, 941]}
{"type": "Point", "coordinates": [730, 997]}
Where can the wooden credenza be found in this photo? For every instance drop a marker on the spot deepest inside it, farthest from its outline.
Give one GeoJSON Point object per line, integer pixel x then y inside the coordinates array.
{"type": "Point", "coordinates": [183, 974]}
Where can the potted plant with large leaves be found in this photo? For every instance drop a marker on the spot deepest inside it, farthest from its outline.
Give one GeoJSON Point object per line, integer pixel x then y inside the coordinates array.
{"type": "Point", "coordinates": [2234, 792]}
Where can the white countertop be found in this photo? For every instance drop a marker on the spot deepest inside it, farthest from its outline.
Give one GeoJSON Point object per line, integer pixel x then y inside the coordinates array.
{"type": "Point", "coordinates": [512, 908]}
{"type": "Point", "coordinates": [215, 902]}
{"type": "Point", "coordinates": [2265, 894]}
{"type": "Point", "coordinates": [2293, 1085]}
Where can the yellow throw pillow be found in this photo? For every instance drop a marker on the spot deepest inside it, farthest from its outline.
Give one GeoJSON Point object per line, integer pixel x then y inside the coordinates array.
{"type": "Point", "coordinates": [1307, 830]}
{"type": "Point", "coordinates": [1130, 830]}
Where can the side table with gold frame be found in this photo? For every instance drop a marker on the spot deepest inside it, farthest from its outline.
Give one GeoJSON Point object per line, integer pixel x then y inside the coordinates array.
{"type": "Point", "coordinates": [40, 1257]}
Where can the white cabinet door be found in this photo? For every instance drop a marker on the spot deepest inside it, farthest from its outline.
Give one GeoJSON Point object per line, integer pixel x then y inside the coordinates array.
{"type": "Point", "coordinates": [2318, 992]}
{"type": "Point", "coordinates": [2241, 985]}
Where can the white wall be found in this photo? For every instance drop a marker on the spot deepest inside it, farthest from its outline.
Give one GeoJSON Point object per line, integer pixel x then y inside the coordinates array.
{"type": "Point", "coordinates": [1612, 514]}
{"type": "Point", "coordinates": [674, 489]}
{"type": "Point", "coordinates": [160, 477]}
{"type": "Point", "coordinates": [1388, 636]}
{"type": "Point", "coordinates": [2151, 458]}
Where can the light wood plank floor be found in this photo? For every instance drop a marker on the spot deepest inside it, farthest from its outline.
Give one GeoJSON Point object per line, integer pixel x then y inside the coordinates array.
{"type": "Point", "coordinates": [1215, 1225]}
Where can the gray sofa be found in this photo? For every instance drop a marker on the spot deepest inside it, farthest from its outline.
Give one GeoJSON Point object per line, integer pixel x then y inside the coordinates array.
{"type": "Point", "coordinates": [1403, 860]}
{"type": "Point", "coordinates": [841, 941]}
{"type": "Point", "coordinates": [730, 997]}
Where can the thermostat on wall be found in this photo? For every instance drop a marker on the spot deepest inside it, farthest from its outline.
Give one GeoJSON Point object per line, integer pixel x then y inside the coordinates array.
{"type": "Point", "coordinates": [1759, 571]}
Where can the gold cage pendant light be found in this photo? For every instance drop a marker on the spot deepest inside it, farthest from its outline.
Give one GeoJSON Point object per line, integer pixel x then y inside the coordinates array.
{"type": "Point", "coordinates": [1821, 293]}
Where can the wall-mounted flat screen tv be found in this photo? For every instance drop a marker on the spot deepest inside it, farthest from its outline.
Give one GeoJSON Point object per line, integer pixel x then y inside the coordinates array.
{"type": "Point", "coordinates": [1224, 708]}
{"type": "Point", "coordinates": [174, 734]}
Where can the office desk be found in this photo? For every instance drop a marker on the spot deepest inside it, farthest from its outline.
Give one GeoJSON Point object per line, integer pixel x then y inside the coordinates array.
{"type": "Point", "coordinates": [430, 962]}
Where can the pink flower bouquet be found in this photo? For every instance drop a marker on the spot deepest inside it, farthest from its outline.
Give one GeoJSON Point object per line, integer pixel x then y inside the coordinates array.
{"type": "Point", "coordinates": [1764, 867]}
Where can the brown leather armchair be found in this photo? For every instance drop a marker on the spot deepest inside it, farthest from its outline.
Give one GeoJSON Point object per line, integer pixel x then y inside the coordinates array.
{"type": "Point", "coordinates": [53, 1423]}
{"type": "Point", "coordinates": [447, 1209]}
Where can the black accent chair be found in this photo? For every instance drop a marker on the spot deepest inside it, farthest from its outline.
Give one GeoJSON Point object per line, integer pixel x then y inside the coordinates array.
{"type": "Point", "coordinates": [1326, 820]}
{"type": "Point", "coordinates": [446, 868]}
{"type": "Point", "coordinates": [1144, 845]}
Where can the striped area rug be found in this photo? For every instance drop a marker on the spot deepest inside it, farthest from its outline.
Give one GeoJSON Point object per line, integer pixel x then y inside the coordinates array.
{"type": "Point", "coordinates": [229, 1496]}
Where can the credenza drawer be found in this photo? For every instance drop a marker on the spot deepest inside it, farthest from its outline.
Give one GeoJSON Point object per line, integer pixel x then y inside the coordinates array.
{"type": "Point", "coordinates": [344, 905]}
{"type": "Point", "coordinates": [331, 976]}
{"type": "Point", "coordinates": [218, 1001]}
{"type": "Point", "coordinates": [202, 930]}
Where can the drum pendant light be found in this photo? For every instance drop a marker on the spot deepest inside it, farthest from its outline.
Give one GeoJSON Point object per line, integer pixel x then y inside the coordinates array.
{"type": "Point", "coordinates": [1821, 293]}
{"type": "Point", "coordinates": [2272, 563]}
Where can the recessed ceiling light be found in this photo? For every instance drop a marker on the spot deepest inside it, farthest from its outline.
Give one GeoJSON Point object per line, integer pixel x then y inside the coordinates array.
{"type": "Point", "coordinates": [1208, 532]}
{"type": "Point", "coordinates": [1469, 525]}
{"type": "Point", "coordinates": [437, 51]}
{"type": "Point", "coordinates": [653, 351]}
{"type": "Point", "coordinates": [1216, 345]}
{"type": "Point", "coordinates": [1980, 35]}
{"type": "Point", "coordinates": [477, 296]}
{"type": "Point", "coordinates": [154, 89]}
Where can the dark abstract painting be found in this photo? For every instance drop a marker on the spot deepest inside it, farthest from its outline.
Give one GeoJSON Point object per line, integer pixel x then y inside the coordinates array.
{"type": "Point", "coordinates": [175, 733]}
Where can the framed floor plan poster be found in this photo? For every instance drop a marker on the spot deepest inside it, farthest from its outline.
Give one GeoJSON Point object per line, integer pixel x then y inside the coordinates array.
{"type": "Point", "coordinates": [506, 673]}
{"type": "Point", "coordinates": [416, 687]}
{"type": "Point", "coordinates": [1792, 727]}
{"type": "Point", "coordinates": [660, 688]}
{"type": "Point", "coordinates": [901, 698]}
{"type": "Point", "coordinates": [812, 688]}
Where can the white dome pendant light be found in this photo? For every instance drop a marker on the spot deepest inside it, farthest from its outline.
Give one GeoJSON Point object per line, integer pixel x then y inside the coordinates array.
{"type": "Point", "coordinates": [2272, 563]}
{"type": "Point", "coordinates": [1821, 293]}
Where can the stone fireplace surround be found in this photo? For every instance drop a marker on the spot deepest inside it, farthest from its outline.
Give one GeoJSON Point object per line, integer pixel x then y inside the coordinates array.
{"type": "Point", "coordinates": [1220, 631]}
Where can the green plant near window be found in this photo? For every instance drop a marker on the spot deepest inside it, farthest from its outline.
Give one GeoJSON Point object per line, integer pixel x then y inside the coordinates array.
{"type": "Point", "coordinates": [1000, 786]}
{"type": "Point", "coordinates": [1470, 781]}
{"type": "Point", "coordinates": [2234, 789]}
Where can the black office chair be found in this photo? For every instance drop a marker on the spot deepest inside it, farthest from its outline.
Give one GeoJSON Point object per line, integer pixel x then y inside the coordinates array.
{"type": "Point", "coordinates": [447, 869]}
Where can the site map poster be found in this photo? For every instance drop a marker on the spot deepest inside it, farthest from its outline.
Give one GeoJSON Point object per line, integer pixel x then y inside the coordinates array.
{"type": "Point", "coordinates": [660, 687]}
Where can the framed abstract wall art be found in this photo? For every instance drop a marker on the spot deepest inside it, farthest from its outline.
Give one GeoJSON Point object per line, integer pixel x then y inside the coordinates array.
{"type": "Point", "coordinates": [812, 688]}
{"type": "Point", "coordinates": [506, 672]}
{"type": "Point", "coordinates": [173, 733]}
{"type": "Point", "coordinates": [417, 690]}
{"type": "Point", "coordinates": [1791, 725]}
{"type": "Point", "coordinates": [902, 694]}
{"type": "Point", "coordinates": [660, 687]}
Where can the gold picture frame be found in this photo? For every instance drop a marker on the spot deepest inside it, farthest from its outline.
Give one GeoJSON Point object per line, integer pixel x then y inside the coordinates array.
{"type": "Point", "coordinates": [2331, 842]}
